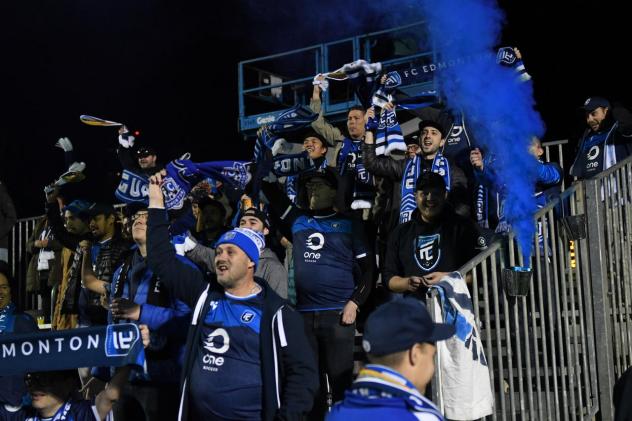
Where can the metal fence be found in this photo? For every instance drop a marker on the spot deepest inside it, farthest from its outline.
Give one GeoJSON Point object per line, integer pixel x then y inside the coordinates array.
{"type": "Point", "coordinates": [19, 260]}
{"type": "Point", "coordinates": [556, 353]}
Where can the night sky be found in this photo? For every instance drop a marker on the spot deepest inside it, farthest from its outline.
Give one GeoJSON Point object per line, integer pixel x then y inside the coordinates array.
{"type": "Point", "coordinates": [169, 69]}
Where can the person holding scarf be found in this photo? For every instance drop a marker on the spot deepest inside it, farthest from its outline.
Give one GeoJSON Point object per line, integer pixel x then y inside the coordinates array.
{"type": "Point", "coordinates": [431, 139]}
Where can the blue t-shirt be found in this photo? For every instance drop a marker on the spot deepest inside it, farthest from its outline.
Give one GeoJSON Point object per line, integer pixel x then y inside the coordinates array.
{"type": "Point", "coordinates": [69, 411]}
{"type": "Point", "coordinates": [226, 379]}
{"type": "Point", "coordinates": [324, 253]}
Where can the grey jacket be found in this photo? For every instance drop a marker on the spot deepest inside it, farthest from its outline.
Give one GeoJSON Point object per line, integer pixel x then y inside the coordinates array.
{"type": "Point", "coordinates": [269, 268]}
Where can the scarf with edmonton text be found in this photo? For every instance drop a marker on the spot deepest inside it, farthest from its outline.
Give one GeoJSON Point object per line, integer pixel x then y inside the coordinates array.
{"type": "Point", "coordinates": [290, 166]}
{"type": "Point", "coordinates": [111, 345]}
{"type": "Point", "coordinates": [7, 318]}
{"type": "Point", "coordinates": [412, 172]}
{"type": "Point", "coordinates": [292, 120]}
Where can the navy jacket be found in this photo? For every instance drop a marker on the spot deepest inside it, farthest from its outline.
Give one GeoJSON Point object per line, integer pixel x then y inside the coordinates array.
{"type": "Point", "coordinates": [166, 317]}
{"type": "Point", "coordinates": [288, 366]}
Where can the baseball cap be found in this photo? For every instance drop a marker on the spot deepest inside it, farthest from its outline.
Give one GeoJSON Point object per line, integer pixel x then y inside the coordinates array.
{"type": "Point", "coordinates": [327, 174]}
{"type": "Point", "coordinates": [434, 124]}
{"type": "Point", "coordinates": [429, 180]}
{"type": "Point", "coordinates": [78, 207]}
{"type": "Point", "coordinates": [101, 209]}
{"type": "Point", "coordinates": [398, 325]}
{"type": "Point", "coordinates": [595, 102]}
{"type": "Point", "coordinates": [144, 151]}
{"type": "Point", "coordinates": [259, 214]}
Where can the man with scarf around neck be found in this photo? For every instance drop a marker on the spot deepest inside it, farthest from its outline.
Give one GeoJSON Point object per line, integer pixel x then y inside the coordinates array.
{"type": "Point", "coordinates": [399, 340]}
{"type": "Point", "coordinates": [434, 242]}
{"type": "Point", "coordinates": [328, 249]}
{"type": "Point", "coordinates": [12, 388]}
{"type": "Point", "coordinates": [357, 185]}
{"type": "Point", "coordinates": [431, 139]}
{"type": "Point", "coordinates": [606, 141]}
{"type": "Point", "coordinates": [247, 356]}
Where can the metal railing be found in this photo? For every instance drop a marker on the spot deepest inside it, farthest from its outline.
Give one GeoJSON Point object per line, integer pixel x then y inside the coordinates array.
{"type": "Point", "coordinates": [556, 353]}
{"type": "Point", "coordinates": [19, 260]}
{"type": "Point", "coordinates": [277, 82]}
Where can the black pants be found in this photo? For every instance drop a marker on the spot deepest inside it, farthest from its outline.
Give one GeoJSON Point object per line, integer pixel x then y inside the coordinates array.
{"type": "Point", "coordinates": [332, 343]}
{"type": "Point", "coordinates": [148, 403]}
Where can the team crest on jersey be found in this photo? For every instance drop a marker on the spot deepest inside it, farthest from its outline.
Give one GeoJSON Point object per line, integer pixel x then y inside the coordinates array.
{"type": "Point", "coordinates": [427, 251]}
{"type": "Point", "coordinates": [247, 316]}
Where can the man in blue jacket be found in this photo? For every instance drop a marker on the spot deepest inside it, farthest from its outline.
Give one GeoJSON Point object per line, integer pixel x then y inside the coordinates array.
{"type": "Point", "coordinates": [399, 340]}
{"type": "Point", "coordinates": [139, 295]}
{"type": "Point", "coordinates": [247, 356]}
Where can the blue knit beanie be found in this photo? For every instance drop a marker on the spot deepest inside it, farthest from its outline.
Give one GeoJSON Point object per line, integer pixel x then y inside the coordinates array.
{"type": "Point", "coordinates": [251, 242]}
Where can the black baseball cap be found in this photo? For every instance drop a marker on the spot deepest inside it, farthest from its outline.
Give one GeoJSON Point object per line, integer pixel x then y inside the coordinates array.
{"type": "Point", "coordinates": [259, 214]}
{"type": "Point", "coordinates": [101, 209]}
{"type": "Point", "coordinates": [144, 151]}
{"type": "Point", "coordinates": [430, 180]}
{"type": "Point", "coordinates": [398, 325]}
{"type": "Point", "coordinates": [595, 102]}
{"type": "Point", "coordinates": [434, 124]}
{"type": "Point", "coordinates": [327, 174]}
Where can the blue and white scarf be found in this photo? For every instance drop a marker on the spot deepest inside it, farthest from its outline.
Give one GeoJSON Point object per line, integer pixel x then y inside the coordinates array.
{"type": "Point", "coordinates": [291, 166]}
{"type": "Point", "coordinates": [389, 134]}
{"type": "Point", "coordinates": [133, 188]}
{"type": "Point", "coordinates": [295, 118]}
{"type": "Point", "coordinates": [182, 176]}
{"type": "Point", "coordinates": [111, 345]}
{"type": "Point", "coordinates": [412, 172]}
{"type": "Point", "coordinates": [7, 318]}
{"type": "Point", "coordinates": [377, 381]}
{"type": "Point", "coordinates": [350, 160]}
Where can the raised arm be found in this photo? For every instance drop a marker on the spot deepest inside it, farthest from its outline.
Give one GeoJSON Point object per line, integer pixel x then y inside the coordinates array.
{"type": "Point", "coordinates": [320, 125]}
{"type": "Point", "coordinates": [183, 281]}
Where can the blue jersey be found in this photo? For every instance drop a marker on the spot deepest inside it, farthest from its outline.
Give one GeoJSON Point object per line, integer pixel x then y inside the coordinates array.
{"type": "Point", "coordinates": [324, 253]}
{"type": "Point", "coordinates": [69, 411]}
{"type": "Point", "coordinates": [226, 376]}
{"type": "Point", "coordinates": [381, 393]}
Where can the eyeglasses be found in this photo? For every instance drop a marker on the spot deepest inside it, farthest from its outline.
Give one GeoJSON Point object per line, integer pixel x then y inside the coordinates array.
{"type": "Point", "coordinates": [139, 215]}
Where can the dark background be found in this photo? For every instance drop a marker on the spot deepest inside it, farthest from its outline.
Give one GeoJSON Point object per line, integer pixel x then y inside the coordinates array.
{"type": "Point", "coordinates": [169, 69]}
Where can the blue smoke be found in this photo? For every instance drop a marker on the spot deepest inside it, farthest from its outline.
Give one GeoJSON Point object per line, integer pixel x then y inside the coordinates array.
{"type": "Point", "coordinates": [499, 108]}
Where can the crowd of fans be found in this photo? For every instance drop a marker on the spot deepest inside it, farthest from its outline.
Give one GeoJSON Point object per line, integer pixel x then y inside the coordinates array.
{"type": "Point", "coordinates": [253, 298]}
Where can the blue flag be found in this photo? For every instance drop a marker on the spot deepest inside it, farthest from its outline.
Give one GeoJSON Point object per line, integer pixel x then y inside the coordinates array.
{"type": "Point", "coordinates": [133, 188]}
{"type": "Point", "coordinates": [182, 176]}
{"type": "Point", "coordinates": [111, 345]}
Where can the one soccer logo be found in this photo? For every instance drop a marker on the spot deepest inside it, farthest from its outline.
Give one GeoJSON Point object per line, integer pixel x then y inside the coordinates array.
{"type": "Point", "coordinates": [315, 241]}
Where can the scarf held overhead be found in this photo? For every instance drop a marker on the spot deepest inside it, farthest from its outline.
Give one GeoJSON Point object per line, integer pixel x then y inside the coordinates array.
{"type": "Point", "coordinates": [182, 176]}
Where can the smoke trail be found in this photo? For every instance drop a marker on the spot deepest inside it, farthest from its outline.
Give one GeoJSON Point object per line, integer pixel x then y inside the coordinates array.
{"type": "Point", "coordinates": [500, 110]}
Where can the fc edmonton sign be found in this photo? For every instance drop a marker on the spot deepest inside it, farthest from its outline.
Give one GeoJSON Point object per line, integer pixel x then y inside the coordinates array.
{"type": "Point", "coordinates": [112, 345]}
